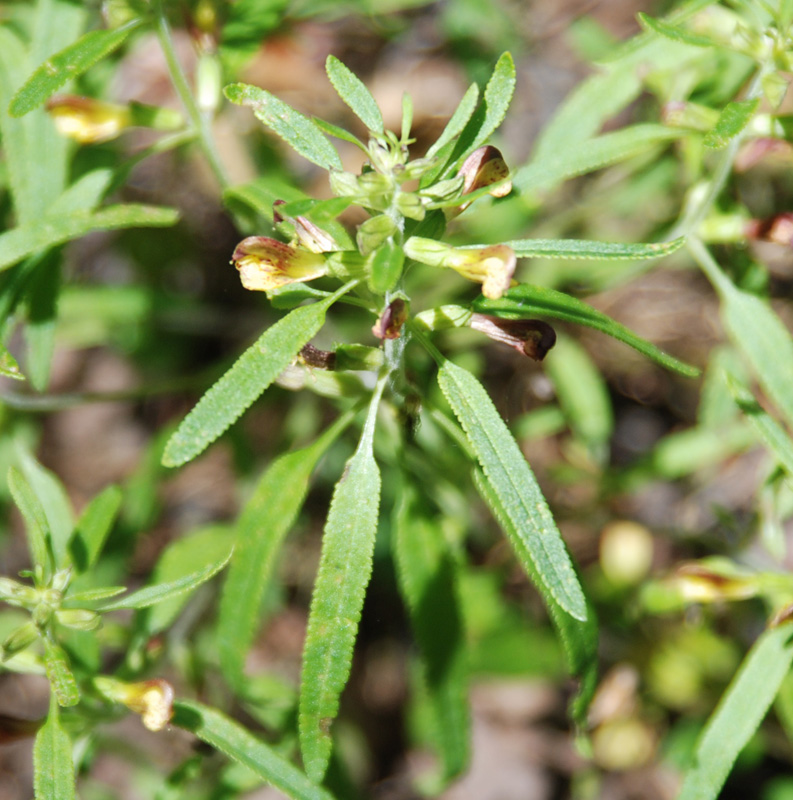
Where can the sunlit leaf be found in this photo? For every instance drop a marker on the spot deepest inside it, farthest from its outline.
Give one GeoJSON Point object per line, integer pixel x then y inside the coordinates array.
{"type": "Point", "coordinates": [354, 93]}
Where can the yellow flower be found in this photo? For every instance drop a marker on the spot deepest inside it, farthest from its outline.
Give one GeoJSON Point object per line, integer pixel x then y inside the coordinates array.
{"type": "Point", "coordinates": [87, 120]}
{"type": "Point", "coordinates": [266, 264]}
{"type": "Point", "coordinates": [492, 266]}
{"type": "Point", "coordinates": [153, 699]}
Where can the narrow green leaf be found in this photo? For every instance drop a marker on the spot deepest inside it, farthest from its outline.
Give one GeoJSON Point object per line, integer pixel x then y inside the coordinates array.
{"type": "Point", "coordinates": [757, 332]}
{"type": "Point", "coordinates": [36, 525]}
{"type": "Point", "coordinates": [458, 120]}
{"type": "Point", "coordinates": [339, 133]}
{"type": "Point", "coordinates": [92, 528]}
{"type": "Point", "coordinates": [583, 249]}
{"type": "Point", "coordinates": [542, 175]}
{"type": "Point", "coordinates": [55, 502]}
{"type": "Point", "coordinates": [60, 675]}
{"type": "Point", "coordinates": [296, 129]}
{"type": "Point", "coordinates": [771, 433]}
{"type": "Point", "coordinates": [582, 393]}
{"type": "Point", "coordinates": [354, 93]}
{"type": "Point", "coordinates": [579, 639]}
{"type": "Point", "coordinates": [428, 582]}
{"type": "Point", "coordinates": [674, 32]}
{"type": "Point", "coordinates": [25, 240]}
{"type": "Point", "coordinates": [53, 768]}
{"type": "Point", "coordinates": [251, 374]}
{"type": "Point", "coordinates": [739, 714]}
{"type": "Point", "coordinates": [160, 592]}
{"type": "Point", "coordinates": [70, 62]}
{"type": "Point", "coordinates": [733, 119]}
{"type": "Point", "coordinates": [344, 571]}
{"type": "Point", "coordinates": [497, 97]}
{"type": "Point", "coordinates": [192, 554]}
{"type": "Point", "coordinates": [42, 301]}
{"type": "Point", "coordinates": [234, 741]}
{"type": "Point", "coordinates": [525, 301]}
{"type": "Point", "coordinates": [513, 482]}
{"type": "Point", "coordinates": [266, 519]}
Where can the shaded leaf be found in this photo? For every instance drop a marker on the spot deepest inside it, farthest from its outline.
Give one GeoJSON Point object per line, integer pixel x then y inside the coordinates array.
{"type": "Point", "coordinates": [514, 484]}
{"type": "Point", "coordinates": [92, 528]}
{"type": "Point", "coordinates": [525, 301]}
{"type": "Point", "coordinates": [234, 741]}
{"type": "Point", "coordinates": [25, 240]}
{"type": "Point", "coordinates": [739, 714]}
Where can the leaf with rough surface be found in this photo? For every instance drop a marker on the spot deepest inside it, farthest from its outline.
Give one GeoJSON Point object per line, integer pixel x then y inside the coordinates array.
{"type": "Point", "coordinates": [59, 674]}
{"type": "Point", "coordinates": [344, 571]}
{"type": "Point", "coordinates": [739, 714]}
{"type": "Point", "coordinates": [53, 768]}
{"type": "Point", "coordinates": [514, 484]}
{"type": "Point", "coordinates": [733, 119]}
{"type": "Point", "coordinates": [251, 374]}
{"type": "Point", "coordinates": [583, 249]}
{"type": "Point", "coordinates": [525, 301]}
{"type": "Point", "coordinates": [354, 93]}
{"type": "Point", "coordinates": [674, 32]}
{"type": "Point", "coordinates": [296, 129]}
{"type": "Point", "coordinates": [69, 63]}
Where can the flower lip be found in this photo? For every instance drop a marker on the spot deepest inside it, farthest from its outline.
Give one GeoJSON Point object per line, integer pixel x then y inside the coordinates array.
{"type": "Point", "coordinates": [266, 264]}
{"type": "Point", "coordinates": [389, 324]}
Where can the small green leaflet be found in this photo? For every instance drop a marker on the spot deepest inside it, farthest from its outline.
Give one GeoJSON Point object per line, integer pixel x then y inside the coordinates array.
{"type": "Point", "coordinates": [525, 301]}
{"type": "Point", "coordinates": [92, 528]}
{"type": "Point", "coordinates": [234, 741]}
{"type": "Point", "coordinates": [251, 374]}
{"type": "Point", "coordinates": [296, 129]}
{"type": "Point", "coordinates": [507, 472]}
{"type": "Point", "coordinates": [70, 62]}
{"type": "Point", "coordinates": [49, 231]}
{"type": "Point", "coordinates": [344, 571]}
{"type": "Point", "coordinates": [497, 97]}
{"type": "Point", "coordinates": [53, 768]}
{"type": "Point", "coordinates": [733, 119]}
{"type": "Point", "coordinates": [583, 249]}
{"type": "Point", "coordinates": [266, 519]}
{"type": "Point", "coordinates": [62, 682]}
{"type": "Point", "coordinates": [739, 714]}
{"type": "Point", "coordinates": [150, 595]}
{"type": "Point", "coordinates": [354, 93]}
{"type": "Point", "coordinates": [673, 32]}
{"type": "Point", "coordinates": [579, 639]}
{"type": "Point", "coordinates": [36, 525]}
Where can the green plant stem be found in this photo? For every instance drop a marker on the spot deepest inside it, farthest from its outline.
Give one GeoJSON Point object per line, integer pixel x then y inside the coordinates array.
{"type": "Point", "coordinates": [707, 263]}
{"type": "Point", "coordinates": [200, 122]}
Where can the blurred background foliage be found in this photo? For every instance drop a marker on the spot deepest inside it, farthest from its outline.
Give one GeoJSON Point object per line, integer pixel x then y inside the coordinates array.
{"type": "Point", "coordinates": [644, 469]}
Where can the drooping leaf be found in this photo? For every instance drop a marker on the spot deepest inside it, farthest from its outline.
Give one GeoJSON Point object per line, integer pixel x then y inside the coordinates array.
{"type": "Point", "coordinates": [739, 713]}
{"type": "Point", "coordinates": [674, 32]}
{"type": "Point", "coordinates": [234, 741]}
{"type": "Point", "coordinates": [23, 241]}
{"type": "Point", "coordinates": [514, 484]}
{"type": "Point", "coordinates": [251, 374]}
{"type": "Point", "coordinates": [579, 639]}
{"type": "Point", "coordinates": [59, 674]}
{"type": "Point", "coordinates": [296, 129]}
{"type": "Point", "coordinates": [344, 571]}
{"type": "Point", "coordinates": [261, 529]}
{"type": "Point", "coordinates": [525, 301]}
{"type": "Point", "coordinates": [354, 93]}
{"type": "Point", "coordinates": [427, 579]}
{"type": "Point", "coordinates": [53, 768]}
{"type": "Point", "coordinates": [161, 592]}
{"type": "Point", "coordinates": [69, 63]}
{"type": "Point", "coordinates": [733, 119]}
{"type": "Point", "coordinates": [92, 528]}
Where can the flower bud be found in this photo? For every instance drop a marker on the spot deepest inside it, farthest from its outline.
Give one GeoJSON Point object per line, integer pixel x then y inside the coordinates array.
{"type": "Point", "coordinates": [266, 264]}
{"type": "Point", "coordinates": [153, 699]}
{"type": "Point", "coordinates": [19, 639]}
{"type": "Point", "coordinates": [81, 619]}
{"type": "Point", "coordinates": [531, 337]}
{"type": "Point", "coordinates": [86, 120]}
{"type": "Point", "coordinates": [373, 232]}
{"type": "Point", "coordinates": [484, 167]}
{"type": "Point", "coordinates": [358, 357]}
{"type": "Point", "coordinates": [17, 594]}
{"type": "Point", "coordinates": [389, 325]}
{"type": "Point", "coordinates": [491, 266]}
{"type": "Point", "coordinates": [713, 581]}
